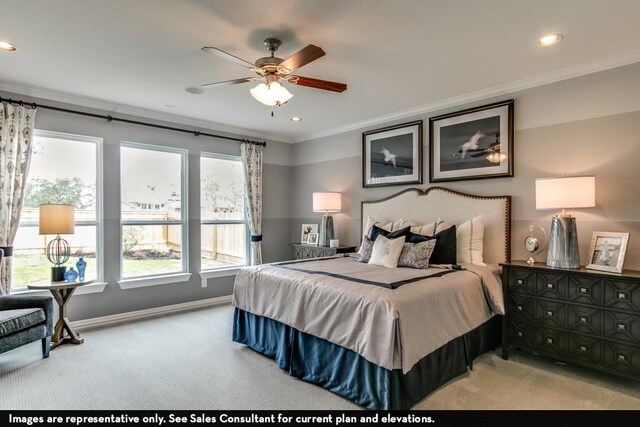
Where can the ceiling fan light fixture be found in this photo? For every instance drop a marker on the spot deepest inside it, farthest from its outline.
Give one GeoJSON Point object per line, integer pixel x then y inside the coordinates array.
{"type": "Point", "coordinates": [7, 46]}
{"type": "Point", "coordinates": [272, 94]}
{"type": "Point", "coordinates": [549, 40]}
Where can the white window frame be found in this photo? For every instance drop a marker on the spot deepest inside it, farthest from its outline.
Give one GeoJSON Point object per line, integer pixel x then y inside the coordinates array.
{"type": "Point", "coordinates": [170, 276]}
{"type": "Point", "coordinates": [99, 284]}
{"type": "Point", "coordinates": [225, 270]}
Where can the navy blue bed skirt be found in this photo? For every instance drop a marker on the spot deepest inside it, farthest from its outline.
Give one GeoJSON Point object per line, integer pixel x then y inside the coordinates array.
{"type": "Point", "coordinates": [350, 375]}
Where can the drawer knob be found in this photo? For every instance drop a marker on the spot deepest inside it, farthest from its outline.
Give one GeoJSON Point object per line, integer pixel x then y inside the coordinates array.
{"type": "Point", "coordinates": [584, 290]}
{"type": "Point", "coordinates": [550, 286]}
{"type": "Point", "coordinates": [583, 348]}
{"type": "Point", "coordinates": [622, 295]}
{"type": "Point", "coordinates": [549, 340]}
{"type": "Point", "coordinates": [621, 327]}
{"type": "Point", "coordinates": [622, 357]}
{"type": "Point", "coordinates": [583, 319]}
{"type": "Point", "coordinates": [519, 282]}
{"type": "Point", "coordinates": [519, 333]}
{"type": "Point", "coordinates": [519, 307]}
{"type": "Point", "coordinates": [549, 313]}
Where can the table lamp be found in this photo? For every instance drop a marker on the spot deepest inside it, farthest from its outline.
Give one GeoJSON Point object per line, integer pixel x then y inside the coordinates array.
{"type": "Point", "coordinates": [57, 219]}
{"type": "Point", "coordinates": [326, 202]}
{"type": "Point", "coordinates": [564, 193]}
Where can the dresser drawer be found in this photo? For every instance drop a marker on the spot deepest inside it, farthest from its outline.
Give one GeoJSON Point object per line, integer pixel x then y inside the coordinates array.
{"type": "Point", "coordinates": [584, 349]}
{"type": "Point", "coordinates": [521, 335]}
{"type": "Point", "coordinates": [586, 290]}
{"type": "Point", "coordinates": [551, 313]}
{"type": "Point", "coordinates": [584, 320]}
{"type": "Point", "coordinates": [552, 285]}
{"type": "Point", "coordinates": [623, 327]}
{"type": "Point", "coordinates": [622, 358]}
{"type": "Point", "coordinates": [622, 294]}
{"type": "Point", "coordinates": [551, 342]}
{"type": "Point", "coordinates": [520, 308]}
{"type": "Point", "coordinates": [522, 282]}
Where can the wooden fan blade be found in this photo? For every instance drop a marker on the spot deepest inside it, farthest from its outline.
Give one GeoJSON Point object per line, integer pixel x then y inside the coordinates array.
{"type": "Point", "coordinates": [229, 57]}
{"type": "Point", "coordinates": [317, 83]}
{"type": "Point", "coordinates": [301, 58]}
{"type": "Point", "coordinates": [232, 82]}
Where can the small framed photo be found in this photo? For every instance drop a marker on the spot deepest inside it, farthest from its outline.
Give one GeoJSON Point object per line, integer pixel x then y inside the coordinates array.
{"type": "Point", "coordinates": [392, 155]}
{"type": "Point", "coordinates": [607, 251]}
{"type": "Point", "coordinates": [306, 230]}
{"type": "Point", "coordinates": [472, 144]}
{"type": "Point", "coordinates": [313, 239]}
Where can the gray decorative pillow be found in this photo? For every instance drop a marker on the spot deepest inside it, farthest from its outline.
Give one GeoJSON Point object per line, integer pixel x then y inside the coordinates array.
{"type": "Point", "coordinates": [416, 255]}
{"type": "Point", "coordinates": [365, 249]}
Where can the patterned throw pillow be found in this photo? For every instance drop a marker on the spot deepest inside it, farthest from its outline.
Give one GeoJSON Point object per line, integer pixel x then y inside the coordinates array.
{"type": "Point", "coordinates": [416, 255]}
{"type": "Point", "coordinates": [365, 249]}
{"type": "Point", "coordinates": [386, 251]}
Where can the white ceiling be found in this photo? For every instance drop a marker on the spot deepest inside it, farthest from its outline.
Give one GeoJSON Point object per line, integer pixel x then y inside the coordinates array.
{"type": "Point", "coordinates": [398, 57]}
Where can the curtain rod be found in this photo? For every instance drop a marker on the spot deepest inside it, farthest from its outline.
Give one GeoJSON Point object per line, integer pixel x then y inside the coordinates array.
{"type": "Point", "coordinates": [134, 122]}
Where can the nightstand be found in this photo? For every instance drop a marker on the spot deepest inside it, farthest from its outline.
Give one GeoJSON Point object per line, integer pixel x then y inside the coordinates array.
{"type": "Point", "coordinates": [585, 317]}
{"type": "Point", "coordinates": [301, 251]}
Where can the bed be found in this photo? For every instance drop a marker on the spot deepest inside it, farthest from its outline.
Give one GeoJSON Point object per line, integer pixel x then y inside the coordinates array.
{"type": "Point", "coordinates": [381, 337]}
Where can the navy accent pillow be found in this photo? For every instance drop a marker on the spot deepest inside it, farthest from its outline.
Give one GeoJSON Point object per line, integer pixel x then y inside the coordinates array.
{"type": "Point", "coordinates": [445, 250]}
{"type": "Point", "coordinates": [376, 231]}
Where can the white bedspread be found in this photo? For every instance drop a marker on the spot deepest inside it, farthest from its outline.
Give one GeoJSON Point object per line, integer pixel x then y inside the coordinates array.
{"type": "Point", "coordinates": [393, 328]}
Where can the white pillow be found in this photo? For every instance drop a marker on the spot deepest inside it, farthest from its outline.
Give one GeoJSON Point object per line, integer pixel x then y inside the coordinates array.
{"type": "Point", "coordinates": [391, 226]}
{"type": "Point", "coordinates": [386, 251]}
{"type": "Point", "coordinates": [469, 237]}
{"type": "Point", "coordinates": [430, 229]}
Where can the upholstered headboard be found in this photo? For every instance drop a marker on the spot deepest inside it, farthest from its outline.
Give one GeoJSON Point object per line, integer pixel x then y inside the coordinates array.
{"type": "Point", "coordinates": [422, 207]}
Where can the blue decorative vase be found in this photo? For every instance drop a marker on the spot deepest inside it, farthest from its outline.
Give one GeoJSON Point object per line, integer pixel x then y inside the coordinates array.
{"type": "Point", "coordinates": [81, 265]}
{"type": "Point", "coordinates": [71, 275]}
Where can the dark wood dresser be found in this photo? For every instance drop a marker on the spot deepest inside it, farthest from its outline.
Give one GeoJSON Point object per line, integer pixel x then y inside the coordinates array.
{"type": "Point", "coordinates": [579, 316]}
{"type": "Point", "coordinates": [301, 251]}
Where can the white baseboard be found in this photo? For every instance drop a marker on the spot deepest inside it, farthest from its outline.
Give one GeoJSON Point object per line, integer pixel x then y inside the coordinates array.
{"type": "Point", "coordinates": [141, 314]}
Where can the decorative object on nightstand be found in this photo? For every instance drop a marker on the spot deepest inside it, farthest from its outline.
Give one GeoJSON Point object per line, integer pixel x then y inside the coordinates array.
{"type": "Point", "coordinates": [70, 275]}
{"type": "Point", "coordinates": [57, 219]}
{"type": "Point", "coordinates": [312, 239]}
{"type": "Point", "coordinates": [304, 251]}
{"type": "Point", "coordinates": [589, 318]}
{"type": "Point", "coordinates": [326, 202]}
{"type": "Point", "coordinates": [81, 265]}
{"type": "Point", "coordinates": [563, 193]}
{"type": "Point", "coordinates": [532, 242]}
{"type": "Point", "coordinates": [607, 251]}
{"type": "Point", "coordinates": [306, 229]}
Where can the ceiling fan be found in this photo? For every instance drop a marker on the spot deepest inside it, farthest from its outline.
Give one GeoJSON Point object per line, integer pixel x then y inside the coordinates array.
{"type": "Point", "coordinates": [271, 70]}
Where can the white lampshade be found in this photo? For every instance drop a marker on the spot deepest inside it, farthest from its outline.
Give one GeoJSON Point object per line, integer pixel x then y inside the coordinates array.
{"type": "Point", "coordinates": [327, 202]}
{"type": "Point", "coordinates": [272, 94]}
{"type": "Point", "coordinates": [57, 219]}
{"type": "Point", "coordinates": [566, 192]}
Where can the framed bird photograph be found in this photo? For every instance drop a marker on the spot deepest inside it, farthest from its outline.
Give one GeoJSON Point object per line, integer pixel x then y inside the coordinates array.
{"type": "Point", "coordinates": [472, 144]}
{"type": "Point", "coordinates": [392, 155]}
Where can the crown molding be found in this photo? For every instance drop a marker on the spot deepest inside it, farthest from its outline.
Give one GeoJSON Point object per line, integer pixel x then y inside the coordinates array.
{"type": "Point", "coordinates": [508, 88]}
{"type": "Point", "coordinates": [111, 107]}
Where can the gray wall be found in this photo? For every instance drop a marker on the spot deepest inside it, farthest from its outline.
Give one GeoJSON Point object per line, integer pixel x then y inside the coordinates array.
{"type": "Point", "coordinates": [585, 125]}
{"type": "Point", "coordinates": [276, 202]}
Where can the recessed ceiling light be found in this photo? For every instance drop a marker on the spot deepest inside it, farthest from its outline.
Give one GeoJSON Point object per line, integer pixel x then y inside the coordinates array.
{"type": "Point", "coordinates": [7, 46]}
{"type": "Point", "coordinates": [296, 119]}
{"type": "Point", "coordinates": [194, 90]}
{"type": "Point", "coordinates": [549, 40]}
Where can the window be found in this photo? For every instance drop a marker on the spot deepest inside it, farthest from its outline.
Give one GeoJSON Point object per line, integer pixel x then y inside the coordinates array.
{"type": "Point", "coordinates": [153, 210]}
{"type": "Point", "coordinates": [224, 224]}
{"type": "Point", "coordinates": [64, 169]}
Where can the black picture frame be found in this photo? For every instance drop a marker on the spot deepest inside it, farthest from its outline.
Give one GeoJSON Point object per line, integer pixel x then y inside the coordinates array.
{"type": "Point", "coordinates": [392, 155]}
{"type": "Point", "coordinates": [476, 143]}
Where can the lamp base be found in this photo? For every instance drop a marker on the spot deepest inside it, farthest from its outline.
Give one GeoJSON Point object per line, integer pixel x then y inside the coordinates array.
{"type": "Point", "coordinates": [57, 273]}
{"type": "Point", "coordinates": [563, 243]}
{"type": "Point", "coordinates": [326, 231]}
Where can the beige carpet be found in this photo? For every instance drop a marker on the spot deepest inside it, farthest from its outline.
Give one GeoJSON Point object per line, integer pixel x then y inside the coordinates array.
{"type": "Point", "coordinates": [188, 361]}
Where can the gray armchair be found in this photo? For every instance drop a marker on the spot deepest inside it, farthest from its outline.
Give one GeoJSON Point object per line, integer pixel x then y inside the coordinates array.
{"type": "Point", "coordinates": [25, 319]}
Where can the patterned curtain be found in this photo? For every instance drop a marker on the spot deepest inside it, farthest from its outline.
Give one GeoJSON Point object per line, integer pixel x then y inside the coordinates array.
{"type": "Point", "coordinates": [16, 136]}
{"type": "Point", "coordinates": [252, 165]}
